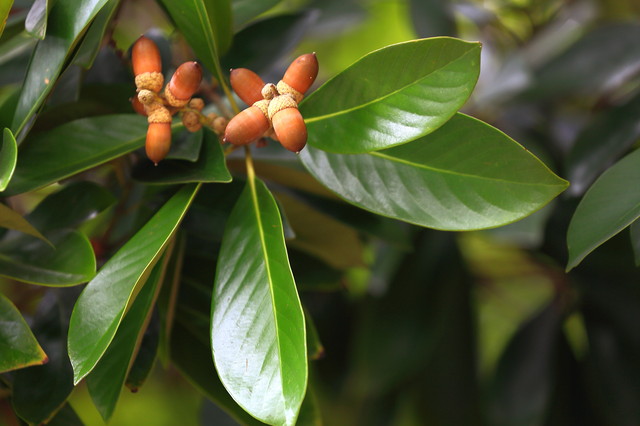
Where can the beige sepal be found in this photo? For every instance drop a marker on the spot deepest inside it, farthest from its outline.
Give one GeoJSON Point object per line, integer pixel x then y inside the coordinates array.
{"type": "Point", "coordinates": [191, 121]}
{"type": "Point", "coordinates": [284, 89]}
{"type": "Point", "coordinates": [150, 81]}
{"type": "Point", "coordinates": [172, 100]}
{"type": "Point", "coordinates": [279, 103]}
{"type": "Point", "coordinates": [148, 97]}
{"type": "Point", "coordinates": [269, 91]}
{"type": "Point", "coordinates": [263, 105]}
{"type": "Point", "coordinates": [220, 125]}
{"type": "Point", "coordinates": [158, 113]}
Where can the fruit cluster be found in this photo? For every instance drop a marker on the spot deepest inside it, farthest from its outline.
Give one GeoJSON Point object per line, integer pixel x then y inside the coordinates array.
{"type": "Point", "coordinates": [274, 108]}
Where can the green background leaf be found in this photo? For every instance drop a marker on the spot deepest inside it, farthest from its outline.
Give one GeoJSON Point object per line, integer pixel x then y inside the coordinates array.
{"type": "Point", "coordinates": [257, 325]}
{"type": "Point", "coordinates": [246, 10]}
{"type": "Point", "coordinates": [36, 22]}
{"type": "Point", "coordinates": [8, 158]}
{"type": "Point", "coordinates": [5, 8]}
{"type": "Point", "coordinates": [392, 96]}
{"type": "Point", "coordinates": [11, 219]}
{"type": "Point", "coordinates": [609, 206]}
{"type": "Point", "coordinates": [101, 306]}
{"type": "Point", "coordinates": [18, 346]}
{"type": "Point", "coordinates": [467, 175]}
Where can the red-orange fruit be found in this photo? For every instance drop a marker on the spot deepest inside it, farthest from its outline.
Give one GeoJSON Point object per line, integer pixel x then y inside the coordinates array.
{"type": "Point", "coordinates": [302, 72]}
{"type": "Point", "coordinates": [247, 85]}
{"type": "Point", "coordinates": [186, 80]}
{"type": "Point", "coordinates": [138, 106]}
{"type": "Point", "coordinates": [158, 141]}
{"type": "Point", "coordinates": [145, 56]}
{"type": "Point", "coordinates": [290, 129]}
{"type": "Point", "coordinates": [246, 127]}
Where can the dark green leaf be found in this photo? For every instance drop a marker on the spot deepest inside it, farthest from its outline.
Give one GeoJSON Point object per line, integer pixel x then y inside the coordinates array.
{"type": "Point", "coordinates": [609, 206]}
{"type": "Point", "coordinates": [186, 145]}
{"type": "Point", "coordinates": [66, 417]}
{"type": "Point", "coordinates": [634, 231]}
{"type": "Point", "coordinates": [392, 96]}
{"type": "Point", "coordinates": [603, 140]}
{"type": "Point", "coordinates": [315, 349]}
{"type": "Point", "coordinates": [30, 260]}
{"type": "Point", "coordinates": [11, 219]}
{"type": "Point", "coordinates": [467, 175]}
{"type": "Point", "coordinates": [246, 10]}
{"type": "Point", "coordinates": [146, 356]}
{"type": "Point", "coordinates": [36, 22]}
{"type": "Point", "coordinates": [92, 41]}
{"type": "Point", "coordinates": [87, 199]}
{"type": "Point", "coordinates": [108, 376]}
{"type": "Point", "coordinates": [8, 158]}
{"type": "Point", "coordinates": [5, 8]}
{"type": "Point", "coordinates": [50, 156]}
{"type": "Point", "coordinates": [433, 18]}
{"type": "Point", "coordinates": [192, 356]}
{"type": "Point", "coordinates": [206, 25]}
{"type": "Point", "coordinates": [67, 21]}
{"type": "Point", "coordinates": [18, 346]}
{"type": "Point", "coordinates": [101, 306]}
{"type": "Point", "coordinates": [257, 325]}
{"type": "Point", "coordinates": [210, 167]}
{"type": "Point", "coordinates": [594, 63]}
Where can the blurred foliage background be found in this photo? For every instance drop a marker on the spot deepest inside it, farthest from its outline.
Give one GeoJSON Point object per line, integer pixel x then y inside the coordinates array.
{"type": "Point", "coordinates": [452, 328]}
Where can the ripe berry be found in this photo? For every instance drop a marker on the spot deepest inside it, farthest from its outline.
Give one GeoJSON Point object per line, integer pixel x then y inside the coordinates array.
{"type": "Point", "coordinates": [158, 141]}
{"type": "Point", "coordinates": [302, 72]}
{"type": "Point", "coordinates": [247, 85]}
{"type": "Point", "coordinates": [247, 126]}
{"type": "Point", "coordinates": [185, 81]}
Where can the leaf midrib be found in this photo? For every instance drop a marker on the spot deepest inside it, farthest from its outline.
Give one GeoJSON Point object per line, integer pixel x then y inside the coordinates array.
{"type": "Point", "coordinates": [381, 98]}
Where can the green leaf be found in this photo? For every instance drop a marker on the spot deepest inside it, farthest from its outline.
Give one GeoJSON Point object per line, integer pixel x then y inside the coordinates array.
{"type": "Point", "coordinates": [101, 306]}
{"type": "Point", "coordinates": [92, 41]}
{"type": "Point", "coordinates": [36, 22]}
{"type": "Point", "coordinates": [146, 356]}
{"type": "Point", "coordinates": [11, 219]}
{"type": "Point", "coordinates": [74, 147]}
{"type": "Point", "coordinates": [26, 259]}
{"type": "Point", "coordinates": [210, 166]}
{"type": "Point", "coordinates": [247, 10]}
{"type": "Point", "coordinates": [8, 158]}
{"type": "Point", "coordinates": [206, 25]}
{"type": "Point", "coordinates": [433, 18]}
{"type": "Point", "coordinates": [609, 206]}
{"type": "Point", "coordinates": [634, 232]}
{"type": "Point", "coordinates": [5, 8]}
{"type": "Point", "coordinates": [18, 346]}
{"type": "Point", "coordinates": [186, 145]}
{"type": "Point", "coordinates": [392, 96]}
{"type": "Point", "coordinates": [108, 377]}
{"type": "Point", "coordinates": [67, 21]}
{"type": "Point", "coordinates": [466, 175]}
{"type": "Point", "coordinates": [257, 326]}
{"type": "Point", "coordinates": [65, 417]}
{"type": "Point", "coordinates": [603, 140]}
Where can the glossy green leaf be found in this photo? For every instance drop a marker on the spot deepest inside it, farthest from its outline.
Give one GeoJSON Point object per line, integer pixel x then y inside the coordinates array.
{"type": "Point", "coordinates": [36, 21]}
{"type": "Point", "coordinates": [192, 356]}
{"type": "Point", "coordinates": [257, 326]}
{"type": "Point", "coordinates": [92, 41]}
{"type": "Point", "coordinates": [8, 158]}
{"type": "Point", "coordinates": [247, 10]}
{"type": "Point", "coordinates": [66, 417]}
{"type": "Point", "coordinates": [392, 96]}
{"type": "Point", "coordinates": [101, 306]}
{"type": "Point", "coordinates": [33, 261]}
{"type": "Point", "coordinates": [603, 140]}
{"type": "Point", "coordinates": [146, 357]}
{"type": "Point", "coordinates": [634, 231]}
{"type": "Point", "coordinates": [18, 346]}
{"type": "Point", "coordinates": [106, 380]}
{"type": "Point", "coordinates": [11, 219]}
{"type": "Point", "coordinates": [185, 145]}
{"type": "Point", "coordinates": [5, 8]}
{"type": "Point", "coordinates": [206, 25]}
{"type": "Point", "coordinates": [73, 147]}
{"type": "Point", "coordinates": [609, 206]}
{"type": "Point", "coordinates": [210, 167]}
{"type": "Point", "coordinates": [467, 175]}
{"type": "Point", "coordinates": [67, 20]}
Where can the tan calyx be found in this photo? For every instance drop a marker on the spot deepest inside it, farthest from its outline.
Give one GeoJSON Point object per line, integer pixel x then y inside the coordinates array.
{"type": "Point", "coordinates": [264, 106]}
{"type": "Point", "coordinates": [279, 103]}
{"type": "Point", "coordinates": [197, 104]}
{"type": "Point", "coordinates": [150, 81]}
{"type": "Point", "coordinates": [172, 100]}
{"type": "Point", "coordinates": [158, 113]}
{"type": "Point", "coordinates": [284, 89]}
{"type": "Point", "coordinates": [148, 97]}
{"type": "Point", "coordinates": [191, 121]}
{"type": "Point", "coordinates": [269, 91]}
{"type": "Point", "coordinates": [220, 125]}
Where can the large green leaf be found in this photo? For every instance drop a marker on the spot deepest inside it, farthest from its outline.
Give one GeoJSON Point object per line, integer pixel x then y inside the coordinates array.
{"type": "Point", "coordinates": [27, 259]}
{"type": "Point", "coordinates": [392, 96]}
{"type": "Point", "coordinates": [92, 42]}
{"type": "Point", "coordinates": [67, 21]}
{"type": "Point", "coordinates": [466, 175]}
{"type": "Point", "coordinates": [36, 22]}
{"type": "Point", "coordinates": [210, 166]}
{"type": "Point", "coordinates": [601, 142]}
{"type": "Point", "coordinates": [5, 8]}
{"type": "Point", "coordinates": [257, 326]}
{"type": "Point", "coordinates": [108, 377]}
{"type": "Point", "coordinates": [609, 206]}
{"type": "Point", "coordinates": [246, 10]}
{"type": "Point", "coordinates": [101, 306]}
{"type": "Point", "coordinates": [18, 346]}
{"type": "Point", "coordinates": [8, 158]}
{"type": "Point", "coordinates": [50, 156]}
{"type": "Point", "coordinates": [206, 25]}
{"type": "Point", "coordinates": [11, 219]}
